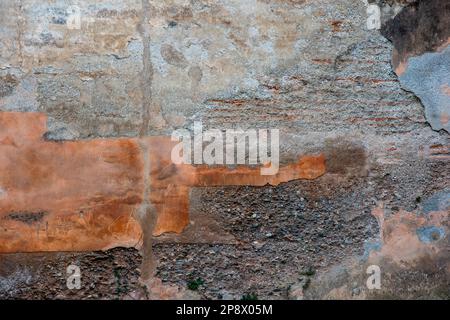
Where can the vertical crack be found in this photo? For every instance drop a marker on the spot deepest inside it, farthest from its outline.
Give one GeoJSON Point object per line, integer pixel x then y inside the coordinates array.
{"type": "Point", "coordinates": [147, 219]}
{"type": "Point", "coordinates": [147, 71]}
{"type": "Point", "coordinates": [20, 28]}
{"type": "Point", "coordinates": [146, 212]}
{"type": "Point", "coordinates": [151, 113]}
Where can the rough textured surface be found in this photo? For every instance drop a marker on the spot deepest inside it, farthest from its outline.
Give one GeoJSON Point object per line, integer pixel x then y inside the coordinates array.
{"type": "Point", "coordinates": [428, 76]}
{"type": "Point", "coordinates": [413, 247]}
{"type": "Point", "coordinates": [85, 195]}
{"type": "Point", "coordinates": [423, 26]}
{"type": "Point", "coordinates": [139, 69]}
{"type": "Point", "coordinates": [65, 196]}
{"type": "Point", "coordinates": [421, 57]}
{"type": "Point", "coordinates": [112, 274]}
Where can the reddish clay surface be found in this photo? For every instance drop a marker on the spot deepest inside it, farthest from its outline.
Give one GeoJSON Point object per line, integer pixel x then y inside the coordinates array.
{"type": "Point", "coordinates": [83, 195]}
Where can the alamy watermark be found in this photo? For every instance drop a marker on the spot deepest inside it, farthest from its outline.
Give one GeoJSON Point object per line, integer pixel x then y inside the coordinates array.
{"type": "Point", "coordinates": [73, 17]}
{"type": "Point", "coordinates": [374, 280]}
{"type": "Point", "coordinates": [76, 20]}
{"type": "Point", "coordinates": [378, 13]}
{"type": "Point", "coordinates": [73, 277]}
{"type": "Point", "coordinates": [373, 17]}
{"type": "Point", "coordinates": [229, 147]}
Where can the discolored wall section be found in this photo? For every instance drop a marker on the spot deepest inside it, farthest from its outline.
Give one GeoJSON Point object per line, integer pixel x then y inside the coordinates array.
{"type": "Point", "coordinates": [83, 107]}
{"type": "Point", "coordinates": [421, 57]}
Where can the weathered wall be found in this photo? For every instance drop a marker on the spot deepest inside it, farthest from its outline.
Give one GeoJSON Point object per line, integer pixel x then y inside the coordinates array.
{"type": "Point", "coordinates": [136, 70]}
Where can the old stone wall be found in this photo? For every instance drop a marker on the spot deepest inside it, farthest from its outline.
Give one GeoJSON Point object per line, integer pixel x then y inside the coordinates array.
{"type": "Point", "coordinates": [90, 92]}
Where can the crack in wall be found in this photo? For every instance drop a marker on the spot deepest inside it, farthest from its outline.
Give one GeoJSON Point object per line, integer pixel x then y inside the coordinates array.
{"type": "Point", "coordinates": [20, 28]}
{"type": "Point", "coordinates": [147, 71]}
{"type": "Point", "coordinates": [147, 219]}
{"type": "Point", "coordinates": [146, 212]}
{"type": "Point", "coordinates": [151, 112]}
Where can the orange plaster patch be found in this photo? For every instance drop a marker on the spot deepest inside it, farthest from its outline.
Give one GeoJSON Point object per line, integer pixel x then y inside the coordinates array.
{"type": "Point", "coordinates": [83, 195]}
{"type": "Point", "coordinates": [400, 242]}
{"type": "Point", "coordinates": [170, 184]}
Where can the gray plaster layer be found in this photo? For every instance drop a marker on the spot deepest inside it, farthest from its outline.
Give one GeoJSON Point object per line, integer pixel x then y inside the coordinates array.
{"type": "Point", "coordinates": [428, 76]}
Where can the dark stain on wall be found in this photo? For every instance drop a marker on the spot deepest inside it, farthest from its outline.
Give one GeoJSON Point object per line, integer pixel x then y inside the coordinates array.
{"type": "Point", "coordinates": [7, 85]}
{"type": "Point", "coordinates": [27, 217]}
{"type": "Point", "coordinates": [421, 27]}
{"type": "Point", "coordinates": [343, 156]}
